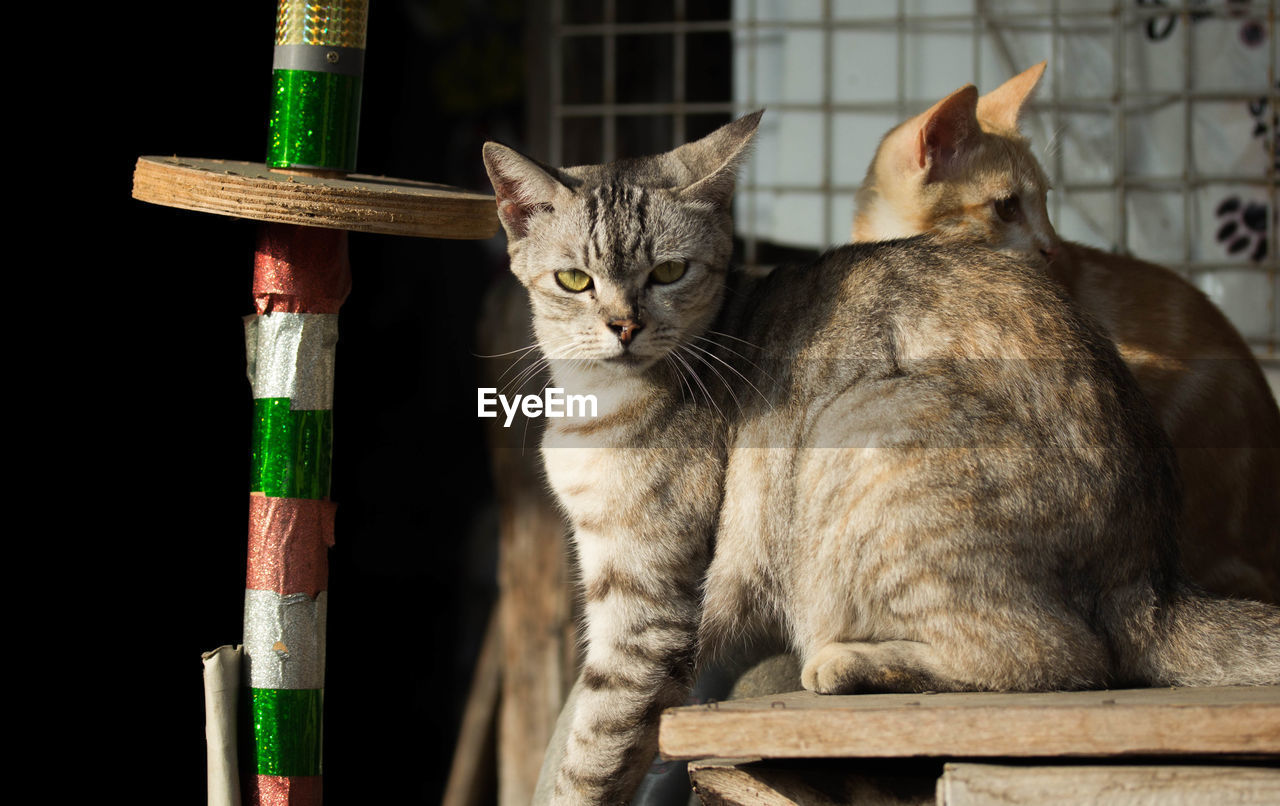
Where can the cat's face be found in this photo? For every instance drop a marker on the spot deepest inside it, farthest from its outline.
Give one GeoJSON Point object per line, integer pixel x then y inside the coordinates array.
{"type": "Point", "coordinates": [962, 168]}
{"type": "Point", "coordinates": [626, 262]}
{"type": "Point", "coordinates": [621, 274]}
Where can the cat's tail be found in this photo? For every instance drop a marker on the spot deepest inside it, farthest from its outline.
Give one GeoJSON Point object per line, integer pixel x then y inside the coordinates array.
{"type": "Point", "coordinates": [1198, 639]}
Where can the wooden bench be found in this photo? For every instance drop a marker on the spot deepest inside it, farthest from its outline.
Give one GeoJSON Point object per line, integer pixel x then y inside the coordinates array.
{"type": "Point", "coordinates": [1184, 746]}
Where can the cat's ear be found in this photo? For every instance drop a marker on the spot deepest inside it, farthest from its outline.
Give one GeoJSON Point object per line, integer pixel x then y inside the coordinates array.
{"type": "Point", "coordinates": [1002, 107]}
{"type": "Point", "coordinates": [523, 187]}
{"type": "Point", "coordinates": [712, 162]}
{"type": "Point", "coordinates": [942, 133]}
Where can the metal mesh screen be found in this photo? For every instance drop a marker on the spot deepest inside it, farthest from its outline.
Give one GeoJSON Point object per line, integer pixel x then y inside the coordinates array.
{"type": "Point", "coordinates": [1156, 120]}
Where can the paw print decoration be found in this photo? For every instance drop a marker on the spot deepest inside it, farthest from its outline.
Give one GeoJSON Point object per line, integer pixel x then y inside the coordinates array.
{"type": "Point", "coordinates": [1266, 127]}
{"type": "Point", "coordinates": [1243, 227]}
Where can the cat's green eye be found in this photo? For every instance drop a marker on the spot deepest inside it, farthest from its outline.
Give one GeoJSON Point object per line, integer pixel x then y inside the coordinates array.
{"type": "Point", "coordinates": [574, 280]}
{"type": "Point", "coordinates": [1008, 209]}
{"type": "Point", "coordinates": [668, 271]}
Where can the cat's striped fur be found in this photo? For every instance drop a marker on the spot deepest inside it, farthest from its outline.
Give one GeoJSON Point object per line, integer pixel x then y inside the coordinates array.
{"type": "Point", "coordinates": [920, 465]}
{"type": "Point", "coordinates": [641, 482]}
{"type": "Point", "coordinates": [947, 171]}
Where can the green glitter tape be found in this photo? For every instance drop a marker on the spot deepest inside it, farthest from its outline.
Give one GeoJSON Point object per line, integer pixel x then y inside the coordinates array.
{"type": "Point", "coordinates": [315, 120]}
{"type": "Point", "coordinates": [292, 450]}
{"type": "Point", "coordinates": [287, 730]}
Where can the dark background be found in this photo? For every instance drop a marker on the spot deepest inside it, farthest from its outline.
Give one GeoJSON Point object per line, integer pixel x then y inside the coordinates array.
{"type": "Point", "coordinates": [145, 386]}
{"type": "Point", "coordinates": [411, 575]}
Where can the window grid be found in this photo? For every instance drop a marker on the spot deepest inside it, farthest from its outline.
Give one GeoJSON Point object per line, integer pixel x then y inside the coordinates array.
{"type": "Point", "coordinates": [679, 117]}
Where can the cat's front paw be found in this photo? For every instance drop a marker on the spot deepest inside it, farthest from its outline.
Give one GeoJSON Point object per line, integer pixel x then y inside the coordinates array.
{"type": "Point", "coordinates": [566, 794]}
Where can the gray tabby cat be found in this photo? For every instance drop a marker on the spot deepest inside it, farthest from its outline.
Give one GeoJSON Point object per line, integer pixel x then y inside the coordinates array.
{"type": "Point", "coordinates": [920, 465]}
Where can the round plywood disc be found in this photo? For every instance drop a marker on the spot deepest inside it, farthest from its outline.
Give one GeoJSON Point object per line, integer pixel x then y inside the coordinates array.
{"type": "Point", "coordinates": [354, 202]}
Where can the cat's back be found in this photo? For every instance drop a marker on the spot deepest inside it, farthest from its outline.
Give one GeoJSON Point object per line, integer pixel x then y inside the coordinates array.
{"type": "Point", "coordinates": [927, 337]}
{"type": "Point", "coordinates": [919, 297]}
{"type": "Point", "coordinates": [938, 401]}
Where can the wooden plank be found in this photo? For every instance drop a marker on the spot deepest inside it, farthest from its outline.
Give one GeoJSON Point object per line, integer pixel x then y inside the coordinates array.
{"type": "Point", "coordinates": [471, 773]}
{"type": "Point", "coordinates": [997, 785]}
{"type": "Point", "coordinates": [538, 644]}
{"type": "Point", "coordinates": [356, 202]}
{"type": "Point", "coordinates": [536, 603]}
{"type": "Point", "coordinates": [731, 785]}
{"type": "Point", "coordinates": [1157, 722]}
{"type": "Point", "coordinates": [743, 782]}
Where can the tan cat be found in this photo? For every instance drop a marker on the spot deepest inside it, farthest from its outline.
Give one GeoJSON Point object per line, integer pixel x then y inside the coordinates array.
{"type": "Point", "coordinates": [962, 168]}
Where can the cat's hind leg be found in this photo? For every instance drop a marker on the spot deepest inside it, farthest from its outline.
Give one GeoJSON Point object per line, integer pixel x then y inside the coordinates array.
{"type": "Point", "coordinates": [991, 651]}
{"type": "Point", "coordinates": [1054, 655]}
{"type": "Point", "coordinates": [858, 667]}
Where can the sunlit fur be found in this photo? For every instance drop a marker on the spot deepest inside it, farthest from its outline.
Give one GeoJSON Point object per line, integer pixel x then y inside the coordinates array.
{"type": "Point", "coordinates": [913, 461]}
{"type": "Point", "coordinates": [900, 198]}
{"type": "Point", "coordinates": [641, 482]}
{"type": "Point", "coordinates": [1199, 374]}
{"type": "Point", "coordinates": [577, 323]}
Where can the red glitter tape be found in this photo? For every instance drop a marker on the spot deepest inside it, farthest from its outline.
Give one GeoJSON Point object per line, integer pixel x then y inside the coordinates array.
{"type": "Point", "coordinates": [289, 540]}
{"type": "Point", "coordinates": [300, 269]}
{"type": "Point", "coordinates": [280, 790]}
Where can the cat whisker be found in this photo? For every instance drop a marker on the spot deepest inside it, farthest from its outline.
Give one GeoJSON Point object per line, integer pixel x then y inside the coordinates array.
{"type": "Point", "coordinates": [524, 354]}
{"type": "Point", "coordinates": [694, 375]}
{"type": "Point", "coordinates": [756, 366]}
{"type": "Point", "coordinates": [689, 375]}
{"type": "Point", "coordinates": [1053, 144]}
{"type": "Point", "coordinates": [525, 362]}
{"type": "Point", "coordinates": [516, 364]}
{"type": "Point", "coordinates": [683, 372]}
{"type": "Point", "coordinates": [670, 366]}
{"type": "Point", "coordinates": [524, 434]}
{"type": "Point", "coordinates": [724, 381]}
{"type": "Point", "coordinates": [675, 369]}
{"type": "Point", "coordinates": [521, 350]}
{"type": "Point", "coordinates": [543, 362]}
{"type": "Point", "coordinates": [527, 374]}
{"type": "Point", "coordinates": [564, 348]}
{"type": "Point", "coordinates": [531, 369]}
{"type": "Point", "coordinates": [711, 367]}
{"type": "Point", "coordinates": [737, 372]}
{"type": "Point", "coordinates": [735, 338]}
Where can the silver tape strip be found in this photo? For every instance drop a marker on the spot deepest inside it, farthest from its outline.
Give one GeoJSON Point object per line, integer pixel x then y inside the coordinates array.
{"type": "Point", "coordinates": [284, 639]}
{"type": "Point", "coordinates": [319, 59]}
{"type": "Point", "coordinates": [292, 355]}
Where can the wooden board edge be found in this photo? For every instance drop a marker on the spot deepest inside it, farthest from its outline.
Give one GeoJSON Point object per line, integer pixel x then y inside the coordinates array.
{"type": "Point", "coordinates": [1132, 731]}
{"type": "Point", "coordinates": [362, 210]}
{"type": "Point", "coordinates": [964, 784]}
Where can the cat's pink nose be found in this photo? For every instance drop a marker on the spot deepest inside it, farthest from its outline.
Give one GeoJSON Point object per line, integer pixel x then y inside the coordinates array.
{"type": "Point", "coordinates": [626, 329]}
{"type": "Point", "coordinates": [1049, 252]}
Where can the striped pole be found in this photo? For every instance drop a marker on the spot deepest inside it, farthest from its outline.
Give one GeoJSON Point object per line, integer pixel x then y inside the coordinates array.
{"type": "Point", "coordinates": [301, 277]}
